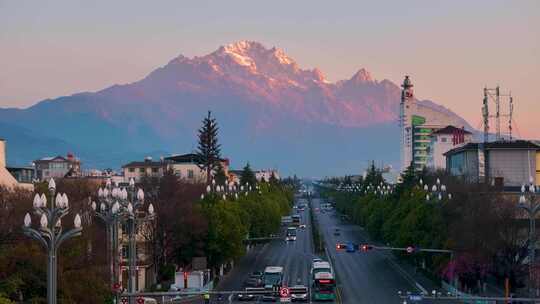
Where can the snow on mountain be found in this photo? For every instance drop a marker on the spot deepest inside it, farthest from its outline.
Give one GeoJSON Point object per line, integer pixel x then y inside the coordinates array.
{"type": "Point", "coordinates": [259, 94]}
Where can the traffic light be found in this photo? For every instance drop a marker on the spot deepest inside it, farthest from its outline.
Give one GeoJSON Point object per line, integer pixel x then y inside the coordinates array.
{"type": "Point", "coordinates": [365, 247]}
{"type": "Point", "coordinates": [341, 246]}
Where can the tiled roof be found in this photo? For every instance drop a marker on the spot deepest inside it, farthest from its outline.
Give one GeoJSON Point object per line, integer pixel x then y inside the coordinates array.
{"type": "Point", "coordinates": [451, 130]}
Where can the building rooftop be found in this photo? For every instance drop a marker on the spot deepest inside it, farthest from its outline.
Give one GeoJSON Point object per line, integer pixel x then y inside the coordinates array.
{"type": "Point", "coordinates": [183, 158]}
{"type": "Point", "coordinates": [451, 130]}
{"type": "Point", "coordinates": [187, 158]}
{"type": "Point", "coordinates": [146, 163]}
{"type": "Point", "coordinates": [498, 145]}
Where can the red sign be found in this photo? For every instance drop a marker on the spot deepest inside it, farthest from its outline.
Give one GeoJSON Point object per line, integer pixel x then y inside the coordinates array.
{"type": "Point", "coordinates": [116, 287]}
{"type": "Point", "coordinates": [140, 301]}
{"type": "Point", "coordinates": [284, 292]}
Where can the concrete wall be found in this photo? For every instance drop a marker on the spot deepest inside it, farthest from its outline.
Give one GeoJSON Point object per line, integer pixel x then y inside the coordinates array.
{"type": "Point", "coordinates": [441, 144]}
{"type": "Point", "coordinates": [183, 171]}
{"type": "Point", "coordinates": [515, 166]}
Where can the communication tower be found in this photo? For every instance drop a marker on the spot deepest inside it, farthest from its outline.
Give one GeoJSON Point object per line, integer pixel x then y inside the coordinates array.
{"type": "Point", "coordinates": [494, 95]}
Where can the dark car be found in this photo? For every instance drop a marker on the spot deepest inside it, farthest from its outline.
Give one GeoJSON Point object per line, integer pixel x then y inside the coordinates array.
{"type": "Point", "coordinates": [245, 297]}
{"type": "Point", "coordinates": [257, 274]}
{"type": "Point", "coordinates": [252, 282]}
{"type": "Point", "coordinates": [350, 247]}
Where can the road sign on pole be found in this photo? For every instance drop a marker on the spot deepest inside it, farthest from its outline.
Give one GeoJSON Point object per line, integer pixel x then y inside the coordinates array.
{"type": "Point", "coordinates": [284, 294]}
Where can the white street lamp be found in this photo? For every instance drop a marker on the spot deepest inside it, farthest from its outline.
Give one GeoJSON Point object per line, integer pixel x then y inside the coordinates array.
{"type": "Point", "coordinates": [50, 234]}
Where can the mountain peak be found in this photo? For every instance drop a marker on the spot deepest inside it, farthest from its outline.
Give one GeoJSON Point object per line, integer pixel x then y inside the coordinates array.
{"type": "Point", "coordinates": [362, 76]}
{"type": "Point", "coordinates": [242, 46]}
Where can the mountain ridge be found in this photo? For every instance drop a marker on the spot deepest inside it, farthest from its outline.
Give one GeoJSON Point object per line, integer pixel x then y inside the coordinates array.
{"type": "Point", "coordinates": [256, 92]}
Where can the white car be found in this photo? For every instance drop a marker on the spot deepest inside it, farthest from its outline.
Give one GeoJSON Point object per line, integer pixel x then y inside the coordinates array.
{"type": "Point", "coordinates": [290, 238]}
{"type": "Point", "coordinates": [303, 226]}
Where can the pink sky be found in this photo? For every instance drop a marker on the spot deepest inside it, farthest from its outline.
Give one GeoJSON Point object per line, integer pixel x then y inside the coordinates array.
{"type": "Point", "coordinates": [451, 49]}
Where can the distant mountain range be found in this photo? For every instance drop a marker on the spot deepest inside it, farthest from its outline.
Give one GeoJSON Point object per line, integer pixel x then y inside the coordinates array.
{"type": "Point", "coordinates": [271, 112]}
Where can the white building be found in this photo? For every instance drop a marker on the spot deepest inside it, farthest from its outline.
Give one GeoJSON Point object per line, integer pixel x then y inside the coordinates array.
{"type": "Point", "coordinates": [417, 121]}
{"type": "Point", "coordinates": [266, 174]}
{"type": "Point", "coordinates": [444, 140]}
{"type": "Point", "coordinates": [147, 168]}
{"type": "Point", "coordinates": [186, 167]}
{"type": "Point", "coordinates": [6, 179]}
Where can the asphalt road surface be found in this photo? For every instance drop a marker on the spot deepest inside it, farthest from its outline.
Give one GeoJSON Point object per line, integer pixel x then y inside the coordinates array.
{"type": "Point", "coordinates": [371, 277]}
{"type": "Point", "coordinates": [294, 256]}
{"type": "Point", "coordinates": [365, 277]}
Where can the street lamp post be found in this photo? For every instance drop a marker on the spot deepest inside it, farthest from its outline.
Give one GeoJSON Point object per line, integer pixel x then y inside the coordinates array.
{"type": "Point", "coordinates": [135, 217]}
{"type": "Point", "coordinates": [528, 202]}
{"type": "Point", "coordinates": [438, 191]}
{"type": "Point", "coordinates": [109, 212]}
{"type": "Point", "coordinates": [50, 234]}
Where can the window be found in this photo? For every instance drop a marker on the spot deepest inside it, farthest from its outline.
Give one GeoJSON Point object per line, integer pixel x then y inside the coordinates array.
{"type": "Point", "coordinates": [443, 139]}
{"type": "Point", "coordinates": [141, 170]}
{"type": "Point", "coordinates": [190, 173]}
{"type": "Point", "coordinates": [155, 170]}
{"type": "Point", "coordinates": [131, 169]}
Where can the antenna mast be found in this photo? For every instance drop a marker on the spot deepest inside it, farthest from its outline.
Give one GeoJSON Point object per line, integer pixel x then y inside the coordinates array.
{"type": "Point", "coordinates": [496, 96]}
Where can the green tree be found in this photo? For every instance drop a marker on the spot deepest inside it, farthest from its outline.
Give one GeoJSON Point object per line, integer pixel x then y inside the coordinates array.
{"type": "Point", "coordinates": [248, 177]}
{"type": "Point", "coordinates": [220, 177]}
{"type": "Point", "coordinates": [374, 175]}
{"type": "Point", "coordinates": [209, 149]}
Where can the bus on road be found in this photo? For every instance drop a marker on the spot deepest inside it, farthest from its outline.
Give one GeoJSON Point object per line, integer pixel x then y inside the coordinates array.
{"type": "Point", "coordinates": [323, 283]}
{"type": "Point", "coordinates": [323, 287]}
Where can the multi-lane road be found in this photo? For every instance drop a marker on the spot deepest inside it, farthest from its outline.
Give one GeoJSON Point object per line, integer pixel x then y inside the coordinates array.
{"type": "Point", "coordinates": [363, 277]}
{"type": "Point", "coordinates": [294, 256]}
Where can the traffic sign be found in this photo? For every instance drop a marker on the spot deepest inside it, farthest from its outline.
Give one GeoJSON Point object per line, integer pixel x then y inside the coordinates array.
{"type": "Point", "coordinates": [140, 301]}
{"type": "Point", "coordinates": [410, 249]}
{"type": "Point", "coordinates": [284, 292]}
{"type": "Point", "coordinates": [116, 287]}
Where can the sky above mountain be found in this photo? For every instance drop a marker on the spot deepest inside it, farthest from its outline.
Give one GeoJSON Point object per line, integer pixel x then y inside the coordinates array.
{"type": "Point", "coordinates": [63, 47]}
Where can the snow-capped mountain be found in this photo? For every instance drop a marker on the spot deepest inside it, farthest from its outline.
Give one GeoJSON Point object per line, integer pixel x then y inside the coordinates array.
{"type": "Point", "coordinates": [271, 112]}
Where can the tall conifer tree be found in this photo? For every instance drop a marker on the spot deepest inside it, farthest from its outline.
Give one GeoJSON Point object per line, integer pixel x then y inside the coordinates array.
{"type": "Point", "coordinates": [209, 149]}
